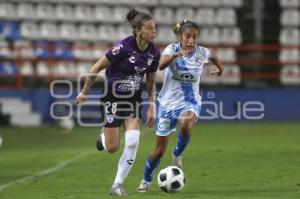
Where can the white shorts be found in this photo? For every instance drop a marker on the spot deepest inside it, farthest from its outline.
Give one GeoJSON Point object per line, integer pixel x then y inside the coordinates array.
{"type": "Point", "coordinates": [167, 119]}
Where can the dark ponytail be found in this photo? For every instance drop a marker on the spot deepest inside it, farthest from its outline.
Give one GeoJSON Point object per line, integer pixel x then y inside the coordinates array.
{"type": "Point", "coordinates": [137, 18]}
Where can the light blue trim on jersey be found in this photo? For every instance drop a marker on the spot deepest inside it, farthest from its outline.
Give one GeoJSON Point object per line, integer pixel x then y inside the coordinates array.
{"type": "Point", "coordinates": [188, 92]}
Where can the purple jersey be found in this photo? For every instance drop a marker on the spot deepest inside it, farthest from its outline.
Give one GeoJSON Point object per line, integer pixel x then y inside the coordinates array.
{"type": "Point", "coordinates": [129, 64]}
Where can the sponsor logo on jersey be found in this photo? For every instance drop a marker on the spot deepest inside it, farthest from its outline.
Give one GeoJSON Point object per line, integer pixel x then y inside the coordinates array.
{"type": "Point", "coordinates": [116, 49]}
{"type": "Point", "coordinates": [132, 59]}
{"type": "Point", "coordinates": [140, 69]}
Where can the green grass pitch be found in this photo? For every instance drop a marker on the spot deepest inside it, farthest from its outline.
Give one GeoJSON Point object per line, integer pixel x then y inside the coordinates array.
{"type": "Point", "coordinates": [232, 161]}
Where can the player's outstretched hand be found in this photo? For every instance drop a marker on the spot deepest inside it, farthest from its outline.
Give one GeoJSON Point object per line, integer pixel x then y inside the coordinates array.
{"type": "Point", "coordinates": [80, 99]}
{"type": "Point", "coordinates": [183, 53]}
{"type": "Point", "coordinates": [151, 115]}
{"type": "Point", "coordinates": [215, 71]}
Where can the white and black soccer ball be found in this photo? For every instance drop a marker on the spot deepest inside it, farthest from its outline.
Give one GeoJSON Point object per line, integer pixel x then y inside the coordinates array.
{"type": "Point", "coordinates": [171, 179]}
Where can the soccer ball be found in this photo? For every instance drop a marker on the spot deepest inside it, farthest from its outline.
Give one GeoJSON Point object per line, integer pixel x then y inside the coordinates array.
{"type": "Point", "coordinates": [171, 179]}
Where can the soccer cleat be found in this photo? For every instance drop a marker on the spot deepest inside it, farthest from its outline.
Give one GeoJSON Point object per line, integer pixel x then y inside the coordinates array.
{"type": "Point", "coordinates": [177, 161]}
{"type": "Point", "coordinates": [144, 186]}
{"type": "Point", "coordinates": [118, 190]}
{"type": "Point", "coordinates": [99, 144]}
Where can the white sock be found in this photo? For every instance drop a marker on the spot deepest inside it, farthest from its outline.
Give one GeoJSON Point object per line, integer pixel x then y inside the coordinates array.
{"type": "Point", "coordinates": [128, 156]}
{"type": "Point", "coordinates": [103, 139]}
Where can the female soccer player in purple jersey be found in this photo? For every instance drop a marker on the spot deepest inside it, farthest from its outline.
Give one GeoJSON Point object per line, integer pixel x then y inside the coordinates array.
{"type": "Point", "coordinates": [179, 99]}
{"type": "Point", "coordinates": [125, 64]}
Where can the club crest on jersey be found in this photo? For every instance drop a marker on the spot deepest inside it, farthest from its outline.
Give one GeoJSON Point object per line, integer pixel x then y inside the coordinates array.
{"type": "Point", "coordinates": [149, 62]}
{"type": "Point", "coordinates": [139, 69]}
{"type": "Point", "coordinates": [110, 118]}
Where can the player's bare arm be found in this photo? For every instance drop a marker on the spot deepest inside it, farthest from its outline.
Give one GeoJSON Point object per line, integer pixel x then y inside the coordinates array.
{"type": "Point", "coordinates": [101, 64]}
{"type": "Point", "coordinates": [165, 60]}
{"type": "Point", "coordinates": [151, 88]}
{"type": "Point", "coordinates": [216, 70]}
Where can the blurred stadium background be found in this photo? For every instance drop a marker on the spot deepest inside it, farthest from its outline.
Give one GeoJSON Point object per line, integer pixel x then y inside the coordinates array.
{"type": "Point", "coordinates": [48, 44]}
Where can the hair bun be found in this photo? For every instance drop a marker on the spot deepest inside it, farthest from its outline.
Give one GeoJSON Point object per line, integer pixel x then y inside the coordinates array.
{"type": "Point", "coordinates": [176, 28]}
{"type": "Point", "coordinates": [132, 14]}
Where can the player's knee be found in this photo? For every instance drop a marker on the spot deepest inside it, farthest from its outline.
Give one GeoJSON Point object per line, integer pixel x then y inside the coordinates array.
{"type": "Point", "coordinates": [111, 148]}
{"type": "Point", "coordinates": [132, 138]}
{"type": "Point", "coordinates": [186, 127]}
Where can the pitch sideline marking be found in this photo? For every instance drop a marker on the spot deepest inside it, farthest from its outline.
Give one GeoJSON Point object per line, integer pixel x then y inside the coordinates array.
{"type": "Point", "coordinates": [52, 169]}
{"type": "Point", "coordinates": [58, 166]}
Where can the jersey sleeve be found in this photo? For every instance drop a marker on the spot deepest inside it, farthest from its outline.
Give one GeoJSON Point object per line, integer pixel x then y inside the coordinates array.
{"type": "Point", "coordinates": [205, 53]}
{"type": "Point", "coordinates": [169, 50]}
{"type": "Point", "coordinates": [117, 53]}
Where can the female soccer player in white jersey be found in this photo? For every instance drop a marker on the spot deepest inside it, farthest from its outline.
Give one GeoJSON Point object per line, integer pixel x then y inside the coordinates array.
{"type": "Point", "coordinates": [179, 99]}
{"type": "Point", "coordinates": [126, 64]}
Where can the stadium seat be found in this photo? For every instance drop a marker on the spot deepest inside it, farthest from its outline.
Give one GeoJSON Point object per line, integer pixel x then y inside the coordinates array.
{"type": "Point", "coordinates": [119, 13]}
{"type": "Point", "coordinates": [226, 16]}
{"type": "Point", "coordinates": [87, 32]}
{"type": "Point", "coordinates": [289, 55]}
{"type": "Point", "coordinates": [63, 50]}
{"type": "Point", "coordinates": [7, 11]}
{"type": "Point", "coordinates": [226, 54]}
{"type": "Point", "coordinates": [184, 13]}
{"type": "Point", "coordinates": [163, 15]}
{"type": "Point", "coordinates": [123, 31]}
{"type": "Point", "coordinates": [146, 2]}
{"type": "Point", "coordinates": [290, 75]}
{"type": "Point", "coordinates": [27, 69]}
{"type": "Point", "coordinates": [98, 51]}
{"type": "Point", "coordinates": [49, 31]}
{"type": "Point", "coordinates": [170, 2]}
{"type": "Point", "coordinates": [205, 16]}
{"type": "Point", "coordinates": [8, 68]}
{"type": "Point", "coordinates": [289, 3]}
{"type": "Point", "coordinates": [231, 36]}
{"type": "Point", "coordinates": [60, 69]}
{"type": "Point", "coordinates": [24, 49]}
{"type": "Point", "coordinates": [102, 13]}
{"type": "Point", "coordinates": [210, 35]}
{"type": "Point", "coordinates": [106, 33]}
{"type": "Point", "coordinates": [81, 50]}
{"type": "Point", "coordinates": [67, 31]}
{"type": "Point", "coordinates": [29, 30]}
{"type": "Point", "coordinates": [26, 11]}
{"type": "Point", "coordinates": [165, 35]}
{"type": "Point", "coordinates": [84, 13]}
{"type": "Point", "coordinates": [42, 50]}
{"type": "Point", "coordinates": [210, 3]}
{"type": "Point", "coordinates": [231, 75]}
{"type": "Point", "coordinates": [45, 11]}
{"type": "Point", "coordinates": [192, 3]}
{"type": "Point", "coordinates": [5, 52]}
{"type": "Point", "coordinates": [64, 12]}
{"type": "Point", "coordinates": [9, 30]}
{"type": "Point", "coordinates": [290, 17]}
{"type": "Point", "coordinates": [289, 36]}
{"type": "Point", "coordinates": [232, 3]}
{"type": "Point", "coordinates": [42, 68]}
{"type": "Point", "coordinates": [83, 67]}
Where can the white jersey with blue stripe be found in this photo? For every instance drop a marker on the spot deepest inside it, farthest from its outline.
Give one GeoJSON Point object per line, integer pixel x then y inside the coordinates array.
{"type": "Point", "coordinates": [182, 78]}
